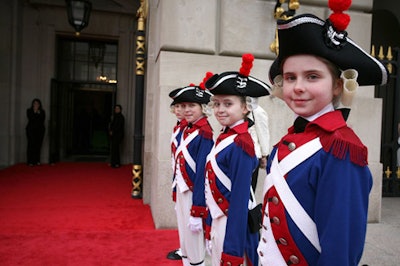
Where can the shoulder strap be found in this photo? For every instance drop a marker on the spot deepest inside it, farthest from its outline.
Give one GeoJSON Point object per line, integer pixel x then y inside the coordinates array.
{"type": "Point", "coordinates": [183, 148]}
{"type": "Point", "coordinates": [292, 205]}
{"type": "Point", "coordinates": [211, 157]}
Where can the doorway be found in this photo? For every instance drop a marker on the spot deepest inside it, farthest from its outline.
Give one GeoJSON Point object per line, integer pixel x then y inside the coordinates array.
{"type": "Point", "coordinates": [79, 120]}
{"type": "Point", "coordinates": [92, 113]}
{"type": "Point", "coordinates": [82, 99]}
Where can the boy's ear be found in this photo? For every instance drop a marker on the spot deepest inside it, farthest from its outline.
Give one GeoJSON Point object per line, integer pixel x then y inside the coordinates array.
{"type": "Point", "coordinates": [338, 87]}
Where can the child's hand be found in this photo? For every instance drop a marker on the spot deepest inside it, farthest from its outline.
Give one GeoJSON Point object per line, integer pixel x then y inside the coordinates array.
{"type": "Point", "coordinates": [208, 247]}
{"type": "Point", "coordinates": [195, 224]}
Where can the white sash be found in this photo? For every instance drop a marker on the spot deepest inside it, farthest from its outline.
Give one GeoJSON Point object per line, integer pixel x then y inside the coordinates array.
{"type": "Point", "coordinates": [175, 143]}
{"type": "Point", "coordinates": [292, 205]}
{"type": "Point", "coordinates": [173, 137]}
{"type": "Point", "coordinates": [272, 255]}
{"type": "Point", "coordinates": [183, 148]}
{"type": "Point", "coordinates": [211, 204]}
{"type": "Point", "coordinates": [211, 157]}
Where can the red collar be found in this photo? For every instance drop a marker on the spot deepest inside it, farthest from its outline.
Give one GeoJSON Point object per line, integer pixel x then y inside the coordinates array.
{"type": "Point", "coordinates": [328, 122]}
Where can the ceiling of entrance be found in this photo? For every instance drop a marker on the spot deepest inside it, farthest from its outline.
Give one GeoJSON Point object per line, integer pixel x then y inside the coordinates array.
{"type": "Point", "coordinates": [118, 6]}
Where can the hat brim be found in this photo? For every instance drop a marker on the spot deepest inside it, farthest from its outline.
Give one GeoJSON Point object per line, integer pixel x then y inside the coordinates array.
{"type": "Point", "coordinates": [192, 94]}
{"type": "Point", "coordinates": [306, 34]}
{"type": "Point", "coordinates": [227, 82]}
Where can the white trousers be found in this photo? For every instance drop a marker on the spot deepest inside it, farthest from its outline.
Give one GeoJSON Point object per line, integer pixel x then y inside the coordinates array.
{"type": "Point", "coordinates": [192, 244]}
{"type": "Point", "coordinates": [218, 230]}
{"type": "Point", "coordinates": [217, 235]}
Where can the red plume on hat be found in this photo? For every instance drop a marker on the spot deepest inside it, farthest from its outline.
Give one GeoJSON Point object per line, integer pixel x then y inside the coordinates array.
{"type": "Point", "coordinates": [247, 64]}
{"type": "Point", "coordinates": [244, 72]}
{"type": "Point", "coordinates": [339, 20]}
{"type": "Point", "coordinates": [208, 75]}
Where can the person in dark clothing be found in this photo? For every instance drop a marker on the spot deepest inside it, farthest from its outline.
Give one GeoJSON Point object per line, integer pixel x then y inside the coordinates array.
{"type": "Point", "coordinates": [117, 134]}
{"type": "Point", "coordinates": [35, 131]}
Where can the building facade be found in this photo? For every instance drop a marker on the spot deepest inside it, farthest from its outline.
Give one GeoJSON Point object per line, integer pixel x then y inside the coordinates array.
{"type": "Point", "coordinates": [42, 57]}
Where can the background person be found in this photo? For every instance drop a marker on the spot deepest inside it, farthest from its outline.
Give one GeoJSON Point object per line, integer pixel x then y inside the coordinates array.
{"type": "Point", "coordinates": [259, 131]}
{"type": "Point", "coordinates": [35, 130]}
{"type": "Point", "coordinates": [116, 132]}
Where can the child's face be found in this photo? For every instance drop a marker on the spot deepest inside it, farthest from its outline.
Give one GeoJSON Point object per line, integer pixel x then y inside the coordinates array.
{"type": "Point", "coordinates": [308, 85]}
{"type": "Point", "coordinates": [178, 111]}
{"type": "Point", "coordinates": [228, 109]}
{"type": "Point", "coordinates": [192, 111]}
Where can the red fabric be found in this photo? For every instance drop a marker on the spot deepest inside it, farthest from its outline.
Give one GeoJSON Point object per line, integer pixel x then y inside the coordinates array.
{"type": "Point", "coordinates": [339, 5]}
{"type": "Point", "coordinates": [198, 211]}
{"type": "Point", "coordinates": [336, 138]}
{"type": "Point", "coordinates": [244, 139]}
{"type": "Point", "coordinates": [77, 214]}
{"type": "Point", "coordinates": [281, 230]}
{"type": "Point", "coordinates": [219, 198]}
{"type": "Point", "coordinates": [229, 260]}
{"type": "Point", "coordinates": [340, 21]}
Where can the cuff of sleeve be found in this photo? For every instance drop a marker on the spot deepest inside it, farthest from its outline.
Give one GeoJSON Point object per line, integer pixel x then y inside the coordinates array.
{"type": "Point", "coordinates": [207, 233]}
{"type": "Point", "coordinates": [198, 211]}
{"type": "Point", "coordinates": [231, 260]}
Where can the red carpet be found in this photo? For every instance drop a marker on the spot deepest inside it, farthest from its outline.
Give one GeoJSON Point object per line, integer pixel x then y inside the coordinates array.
{"type": "Point", "coordinates": [77, 214]}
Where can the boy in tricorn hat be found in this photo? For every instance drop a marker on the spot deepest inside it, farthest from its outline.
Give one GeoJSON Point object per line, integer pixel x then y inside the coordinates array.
{"type": "Point", "coordinates": [229, 169]}
{"type": "Point", "coordinates": [195, 143]}
{"type": "Point", "coordinates": [318, 180]}
{"type": "Point", "coordinates": [177, 110]}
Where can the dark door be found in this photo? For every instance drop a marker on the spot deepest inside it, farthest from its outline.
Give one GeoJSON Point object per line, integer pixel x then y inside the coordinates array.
{"type": "Point", "coordinates": [80, 114]}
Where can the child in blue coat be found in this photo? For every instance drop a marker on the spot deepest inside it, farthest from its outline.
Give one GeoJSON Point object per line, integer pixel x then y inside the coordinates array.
{"type": "Point", "coordinates": [318, 181]}
{"type": "Point", "coordinates": [196, 141]}
{"type": "Point", "coordinates": [230, 166]}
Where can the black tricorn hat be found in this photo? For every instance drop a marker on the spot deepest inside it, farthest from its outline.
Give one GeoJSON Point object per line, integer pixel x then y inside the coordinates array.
{"type": "Point", "coordinates": [308, 34]}
{"type": "Point", "coordinates": [238, 83]}
{"type": "Point", "coordinates": [191, 93]}
{"type": "Point", "coordinates": [172, 95]}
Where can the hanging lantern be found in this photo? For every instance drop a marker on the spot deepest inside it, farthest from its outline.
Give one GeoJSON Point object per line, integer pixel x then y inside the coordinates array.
{"type": "Point", "coordinates": [78, 14]}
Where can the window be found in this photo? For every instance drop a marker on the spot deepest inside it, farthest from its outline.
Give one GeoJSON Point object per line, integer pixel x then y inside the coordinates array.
{"type": "Point", "coordinates": [87, 61]}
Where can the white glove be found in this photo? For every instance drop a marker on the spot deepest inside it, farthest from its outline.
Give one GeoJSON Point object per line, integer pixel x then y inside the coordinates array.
{"type": "Point", "coordinates": [195, 224]}
{"type": "Point", "coordinates": [208, 247]}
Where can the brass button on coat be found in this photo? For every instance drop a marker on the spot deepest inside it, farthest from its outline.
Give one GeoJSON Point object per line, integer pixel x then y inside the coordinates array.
{"type": "Point", "coordinates": [283, 241]}
{"type": "Point", "coordinates": [294, 259]}
{"type": "Point", "coordinates": [292, 146]}
{"type": "Point", "coordinates": [276, 220]}
{"type": "Point", "coordinates": [275, 200]}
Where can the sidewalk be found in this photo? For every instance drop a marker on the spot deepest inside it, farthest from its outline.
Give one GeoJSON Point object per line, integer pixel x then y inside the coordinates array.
{"type": "Point", "coordinates": [382, 246]}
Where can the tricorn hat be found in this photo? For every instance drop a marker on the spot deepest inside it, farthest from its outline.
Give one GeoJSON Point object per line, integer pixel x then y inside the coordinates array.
{"type": "Point", "coordinates": [192, 93]}
{"type": "Point", "coordinates": [172, 95]}
{"type": "Point", "coordinates": [308, 34]}
{"type": "Point", "coordinates": [238, 83]}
